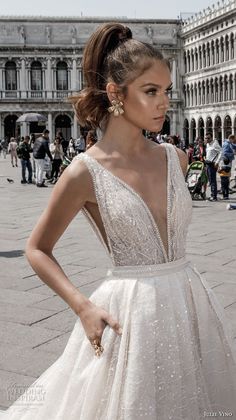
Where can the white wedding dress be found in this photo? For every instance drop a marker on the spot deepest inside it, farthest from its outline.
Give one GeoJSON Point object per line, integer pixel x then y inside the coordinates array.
{"type": "Point", "coordinates": [175, 358]}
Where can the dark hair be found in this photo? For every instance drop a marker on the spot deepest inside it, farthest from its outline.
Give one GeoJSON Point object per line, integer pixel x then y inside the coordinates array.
{"type": "Point", "coordinates": [45, 131]}
{"type": "Point", "coordinates": [110, 55]}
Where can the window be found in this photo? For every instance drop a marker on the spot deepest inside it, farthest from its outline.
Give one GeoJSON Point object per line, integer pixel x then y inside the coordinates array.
{"type": "Point", "coordinates": [10, 73]}
{"type": "Point", "coordinates": [62, 76]}
{"type": "Point", "coordinates": [36, 76]}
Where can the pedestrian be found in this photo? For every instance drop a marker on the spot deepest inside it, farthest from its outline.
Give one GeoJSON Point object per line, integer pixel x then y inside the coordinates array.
{"type": "Point", "coordinates": [71, 148]}
{"type": "Point", "coordinates": [190, 152]}
{"type": "Point", "coordinates": [225, 173]}
{"type": "Point", "coordinates": [64, 142]}
{"type": "Point", "coordinates": [151, 341]}
{"type": "Point", "coordinates": [4, 144]}
{"type": "Point", "coordinates": [32, 141]}
{"type": "Point", "coordinates": [57, 154]}
{"type": "Point", "coordinates": [23, 150]}
{"type": "Point", "coordinates": [213, 155]}
{"type": "Point", "coordinates": [12, 150]}
{"type": "Point", "coordinates": [80, 144]}
{"type": "Point", "coordinates": [40, 150]}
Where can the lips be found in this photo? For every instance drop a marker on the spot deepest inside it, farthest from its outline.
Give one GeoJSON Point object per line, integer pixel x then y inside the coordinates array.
{"type": "Point", "coordinates": [159, 118]}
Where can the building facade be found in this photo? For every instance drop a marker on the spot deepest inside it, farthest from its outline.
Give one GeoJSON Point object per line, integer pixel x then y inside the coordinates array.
{"type": "Point", "coordinates": [208, 69]}
{"type": "Point", "coordinates": [40, 67]}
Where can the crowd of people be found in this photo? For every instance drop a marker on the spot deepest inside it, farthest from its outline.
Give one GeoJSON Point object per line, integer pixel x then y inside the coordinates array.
{"type": "Point", "coordinates": [44, 161]}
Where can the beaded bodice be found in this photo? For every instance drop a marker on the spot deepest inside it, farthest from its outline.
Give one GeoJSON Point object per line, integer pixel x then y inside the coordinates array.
{"type": "Point", "coordinates": [132, 233]}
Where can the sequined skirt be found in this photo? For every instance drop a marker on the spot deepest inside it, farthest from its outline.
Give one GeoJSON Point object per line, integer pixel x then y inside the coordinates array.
{"type": "Point", "coordinates": [174, 360]}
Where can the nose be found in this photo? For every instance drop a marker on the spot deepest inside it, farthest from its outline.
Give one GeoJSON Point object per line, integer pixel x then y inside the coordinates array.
{"type": "Point", "coordinates": [163, 101]}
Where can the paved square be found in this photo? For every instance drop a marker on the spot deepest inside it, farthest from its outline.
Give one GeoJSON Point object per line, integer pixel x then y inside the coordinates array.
{"type": "Point", "coordinates": [35, 324]}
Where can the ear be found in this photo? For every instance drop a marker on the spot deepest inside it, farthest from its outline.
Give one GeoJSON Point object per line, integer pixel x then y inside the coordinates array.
{"type": "Point", "coordinates": [113, 92]}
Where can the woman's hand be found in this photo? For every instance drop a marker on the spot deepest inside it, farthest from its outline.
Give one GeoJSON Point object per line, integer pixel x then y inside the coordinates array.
{"type": "Point", "coordinates": [94, 320]}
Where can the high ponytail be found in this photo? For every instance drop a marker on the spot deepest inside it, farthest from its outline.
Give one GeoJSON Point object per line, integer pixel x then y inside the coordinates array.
{"type": "Point", "coordinates": [110, 55]}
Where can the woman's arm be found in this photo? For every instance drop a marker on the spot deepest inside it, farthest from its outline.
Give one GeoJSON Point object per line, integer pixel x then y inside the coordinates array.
{"type": "Point", "coordinates": [69, 195]}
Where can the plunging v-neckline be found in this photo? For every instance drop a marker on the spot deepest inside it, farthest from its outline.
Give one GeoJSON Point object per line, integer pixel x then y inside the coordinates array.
{"type": "Point", "coordinates": [166, 252]}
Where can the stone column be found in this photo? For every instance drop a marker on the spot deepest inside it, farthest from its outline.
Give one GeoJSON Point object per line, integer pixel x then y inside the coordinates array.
{"type": "Point", "coordinates": [24, 129]}
{"type": "Point", "coordinates": [1, 128]}
{"type": "Point", "coordinates": [73, 75]}
{"type": "Point", "coordinates": [49, 78]}
{"type": "Point", "coordinates": [1, 75]}
{"type": "Point", "coordinates": [75, 128]}
{"type": "Point", "coordinates": [174, 78]}
{"type": "Point", "coordinates": [49, 127]}
{"type": "Point", "coordinates": [174, 122]}
{"type": "Point", "coordinates": [23, 79]}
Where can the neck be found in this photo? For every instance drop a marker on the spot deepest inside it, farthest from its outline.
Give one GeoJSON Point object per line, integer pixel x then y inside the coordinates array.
{"type": "Point", "coordinates": [123, 137]}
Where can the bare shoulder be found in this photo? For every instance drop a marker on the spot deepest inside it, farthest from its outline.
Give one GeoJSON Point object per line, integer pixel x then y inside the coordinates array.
{"type": "Point", "coordinates": [183, 159]}
{"type": "Point", "coordinates": [77, 179]}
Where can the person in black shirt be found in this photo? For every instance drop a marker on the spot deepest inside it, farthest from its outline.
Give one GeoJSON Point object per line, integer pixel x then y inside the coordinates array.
{"type": "Point", "coordinates": [23, 152]}
{"type": "Point", "coordinates": [40, 150]}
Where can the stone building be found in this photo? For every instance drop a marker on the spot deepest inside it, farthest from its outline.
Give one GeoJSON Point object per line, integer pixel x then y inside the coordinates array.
{"type": "Point", "coordinates": [40, 66]}
{"type": "Point", "coordinates": [209, 72]}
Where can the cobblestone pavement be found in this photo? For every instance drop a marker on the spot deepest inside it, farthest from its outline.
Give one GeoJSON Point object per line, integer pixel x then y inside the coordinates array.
{"type": "Point", "coordinates": [35, 324]}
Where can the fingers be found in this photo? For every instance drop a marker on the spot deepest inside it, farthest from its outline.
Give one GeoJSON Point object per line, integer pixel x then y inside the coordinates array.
{"type": "Point", "coordinates": [114, 324]}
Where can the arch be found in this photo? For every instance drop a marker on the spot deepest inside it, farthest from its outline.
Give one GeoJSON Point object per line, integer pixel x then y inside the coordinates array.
{"type": "Point", "coordinates": [209, 125]}
{"type": "Point", "coordinates": [218, 128]}
{"type": "Point", "coordinates": [221, 89]}
{"type": "Point", "coordinates": [217, 51]}
{"type": "Point", "coordinates": [203, 92]}
{"type": "Point", "coordinates": [196, 59]}
{"type": "Point", "coordinates": [10, 78]}
{"type": "Point", "coordinates": [216, 89]}
{"type": "Point", "coordinates": [227, 126]}
{"type": "Point", "coordinates": [208, 55]}
{"type": "Point", "coordinates": [186, 132]}
{"type": "Point", "coordinates": [213, 52]}
{"type": "Point", "coordinates": [212, 98]}
{"type": "Point", "coordinates": [227, 47]}
{"type": "Point", "coordinates": [201, 127]}
{"type": "Point", "coordinates": [62, 76]}
{"type": "Point", "coordinates": [192, 130]}
{"type": "Point", "coordinates": [231, 46]}
{"type": "Point", "coordinates": [36, 79]}
{"type": "Point", "coordinates": [231, 87]}
{"type": "Point", "coordinates": [63, 123]}
{"type": "Point", "coordinates": [204, 62]}
{"type": "Point", "coordinates": [10, 128]}
{"type": "Point", "coordinates": [185, 62]}
{"type": "Point", "coordinates": [222, 53]}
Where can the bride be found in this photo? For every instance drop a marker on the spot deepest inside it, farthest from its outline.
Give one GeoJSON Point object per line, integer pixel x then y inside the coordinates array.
{"type": "Point", "coordinates": [152, 341]}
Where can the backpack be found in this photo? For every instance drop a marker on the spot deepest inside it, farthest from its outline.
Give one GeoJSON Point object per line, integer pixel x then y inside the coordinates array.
{"type": "Point", "coordinates": [19, 151]}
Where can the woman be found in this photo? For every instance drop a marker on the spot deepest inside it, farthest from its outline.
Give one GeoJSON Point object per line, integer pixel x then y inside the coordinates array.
{"type": "Point", "coordinates": [57, 154]}
{"type": "Point", "coordinates": [12, 147]}
{"type": "Point", "coordinates": [151, 341]}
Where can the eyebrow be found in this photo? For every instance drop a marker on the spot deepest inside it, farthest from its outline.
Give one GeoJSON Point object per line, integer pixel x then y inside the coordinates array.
{"type": "Point", "coordinates": [157, 86]}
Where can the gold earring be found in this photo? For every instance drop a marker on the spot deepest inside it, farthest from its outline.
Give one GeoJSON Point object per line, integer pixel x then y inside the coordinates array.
{"type": "Point", "coordinates": [116, 108]}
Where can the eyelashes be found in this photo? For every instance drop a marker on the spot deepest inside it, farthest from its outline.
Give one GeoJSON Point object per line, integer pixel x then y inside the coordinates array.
{"type": "Point", "coordinates": [154, 92]}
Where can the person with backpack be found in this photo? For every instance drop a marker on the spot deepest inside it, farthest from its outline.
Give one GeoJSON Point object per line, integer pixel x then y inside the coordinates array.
{"type": "Point", "coordinates": [40, 150]}
{"type": "Point", "coordinates": [23, 152]}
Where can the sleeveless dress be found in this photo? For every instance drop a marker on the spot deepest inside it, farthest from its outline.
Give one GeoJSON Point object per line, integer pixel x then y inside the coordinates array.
{"type": "Point", "coordinates": [175, 357]}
